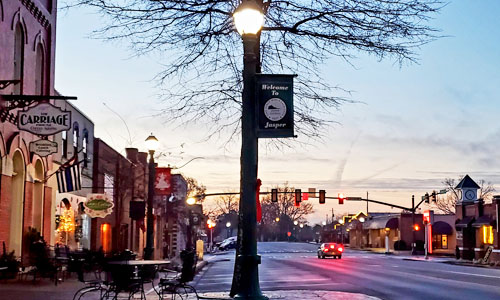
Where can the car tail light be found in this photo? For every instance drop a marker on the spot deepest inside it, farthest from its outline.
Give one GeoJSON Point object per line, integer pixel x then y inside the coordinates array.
{"type": "Point", "coordinates": [341, 249]}
{"type": "Point", "coordinates": [332, 246]}
{"type": "Point", "coordinates": [326, 249]}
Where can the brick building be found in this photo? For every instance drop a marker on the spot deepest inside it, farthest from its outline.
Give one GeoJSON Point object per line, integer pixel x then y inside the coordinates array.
{"type": "Point", "coordinates": [124, 179]}
{"type": "Point", "coordinates": [476, 223]}
{"type": "Point", "coordinates": [27, 51]}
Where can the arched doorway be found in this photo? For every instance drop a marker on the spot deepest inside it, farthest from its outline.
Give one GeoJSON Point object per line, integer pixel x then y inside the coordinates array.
{"type": "Point", "coordinates": [38, 196]}
{"type": "Point", "coordinates": [16, 205]}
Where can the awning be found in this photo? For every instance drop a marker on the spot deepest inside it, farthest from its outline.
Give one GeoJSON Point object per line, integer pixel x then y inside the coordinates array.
{"type": "Point", "coordinates": [483, 220]}
{"type": "Point", "coordinates": [392, 223]}
{"type": "Point", "coordinates": [381, 223]}
{"type": "Point", "coordinates": [441, 227]}
{"type": "Point", "coordinates": [465, 222]}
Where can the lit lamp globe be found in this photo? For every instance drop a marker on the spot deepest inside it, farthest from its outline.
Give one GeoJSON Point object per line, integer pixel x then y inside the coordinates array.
{"type": "Point", "coordinates": [341, 221]}
{"type": "Point", "coordinates": [191, 201]}
{"type": "Point", "coordinates": [362, 219]}
{"type": "Point", "coordinates": [152, 143]}
{"type": "Point", "coordinates": [295, 223]}
{"type": "Point", "coordinates": [228, 224]}
{"type": "Point", "coordinates": [324, 223]}
{"type": "Point", "coordinates": [248, 18]}
{"type": "Point", "coordinates": [301, 225]}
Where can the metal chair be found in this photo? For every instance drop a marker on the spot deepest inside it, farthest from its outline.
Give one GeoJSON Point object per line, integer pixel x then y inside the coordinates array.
{"type": "Point", "coordinates": [177, 286]}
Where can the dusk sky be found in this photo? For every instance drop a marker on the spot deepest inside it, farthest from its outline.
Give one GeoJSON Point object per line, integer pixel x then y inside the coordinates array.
{"type": "Point", "coordinates": [412, 125]}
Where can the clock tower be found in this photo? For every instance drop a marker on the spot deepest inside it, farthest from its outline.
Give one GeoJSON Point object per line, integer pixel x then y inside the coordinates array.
{"type": "Point", "coordinates": [468, 189]}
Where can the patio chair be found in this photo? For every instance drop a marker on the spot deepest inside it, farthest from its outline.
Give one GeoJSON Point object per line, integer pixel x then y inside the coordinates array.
{"type": "Point", "coordinates": [95, 284]}
{"type": "Point", "coordinates": [176, 286]}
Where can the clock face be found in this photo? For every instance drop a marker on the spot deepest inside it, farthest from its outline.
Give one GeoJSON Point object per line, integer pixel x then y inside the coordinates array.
{"type": "Point", "coordinates": [470, 195]}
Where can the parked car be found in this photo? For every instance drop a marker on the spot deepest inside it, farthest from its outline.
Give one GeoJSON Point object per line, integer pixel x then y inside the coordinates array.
{"type": "Point", "coordinates": [330, 249]}
{"type": "Point", "coordinates": [229, 243]}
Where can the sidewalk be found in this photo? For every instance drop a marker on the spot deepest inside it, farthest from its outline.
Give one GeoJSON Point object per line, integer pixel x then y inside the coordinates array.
{"type": "Point", "coordinates": [291, 295]}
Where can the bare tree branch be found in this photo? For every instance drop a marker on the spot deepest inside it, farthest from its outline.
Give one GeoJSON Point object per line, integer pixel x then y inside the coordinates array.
{"type": "Point", "coordinates": [202, 53]}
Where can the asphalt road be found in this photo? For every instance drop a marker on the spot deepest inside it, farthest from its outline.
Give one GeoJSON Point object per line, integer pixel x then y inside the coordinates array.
{"type": "Point", "coordinates": [293, 266]}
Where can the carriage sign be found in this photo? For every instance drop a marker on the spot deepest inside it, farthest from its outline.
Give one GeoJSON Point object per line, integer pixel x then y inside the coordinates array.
{"type": "Point", "coordinates": [44, 119]}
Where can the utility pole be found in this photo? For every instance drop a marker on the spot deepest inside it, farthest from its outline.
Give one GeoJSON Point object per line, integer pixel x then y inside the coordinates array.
{"type": "Point", "coordinates": [367, 203]}
{"type": "Point", "coordinates": [413, 248]}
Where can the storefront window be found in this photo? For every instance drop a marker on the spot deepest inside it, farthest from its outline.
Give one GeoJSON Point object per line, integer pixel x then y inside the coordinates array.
{"type": "Point", "coordinates": [440, 241]}
{"type": "Point", "coordinates": [487, 234]}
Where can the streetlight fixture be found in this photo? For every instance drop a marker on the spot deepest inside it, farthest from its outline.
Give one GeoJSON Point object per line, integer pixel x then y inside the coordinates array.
{"type": "Point", "coordinates": [152, 145]}
{"type": "Point", "coordinates": [295, 223]}
{"type": "Point", "coordinates": [301, 225]}
{"type": "Point", "coordinates": [362, 219]}
{"type": "Point", "coordinates": [191, 201]}
{"type": "Point", "coordinates": [248, 20]}
{"type": "Point", "coordinates": [324, 223]}
{"type": "Point", "coordinates": [277, 219]}
{"type": "Point", "coordinates": [189, 236]}
{"type": "Point", "coordinates": [228, 228]}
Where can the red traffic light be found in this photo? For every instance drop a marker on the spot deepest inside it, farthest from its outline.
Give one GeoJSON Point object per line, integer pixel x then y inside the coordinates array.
{"type": "Point", "coordinates": [341, 198]}
{"type": "Point", "coordinates": [298, 197]}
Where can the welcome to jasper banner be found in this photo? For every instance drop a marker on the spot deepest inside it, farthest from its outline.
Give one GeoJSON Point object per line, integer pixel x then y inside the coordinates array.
{"type": "Point", "coordinates": [275, 106]}
{"type": "Point", "coordinates": [44, 119]}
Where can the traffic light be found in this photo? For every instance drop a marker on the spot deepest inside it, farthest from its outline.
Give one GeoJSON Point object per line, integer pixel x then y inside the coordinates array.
{"type": "Point", "coordinates": [322, 196]}
{"type": "Point", "coordinates": [341, 198]}
{"type": "Point", "coordinates": [298, 197]}
{"type": "Point", "coordinates": [426, 197]}
{"type": "Point", "coordinates": [416, 227]}
{"type": "Point", "coordinates": [433, 196]}
{"type": "Point", "coordinates": [274, 195]}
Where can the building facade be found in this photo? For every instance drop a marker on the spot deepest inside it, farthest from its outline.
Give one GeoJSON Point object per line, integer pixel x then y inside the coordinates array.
{"type": "Point", "coordinates": [27, 52]}
{"type": "Point", "coordinates": [476, 224]}
{"type": "Point", "coordinates": [400, 231]}
{"type": "Point", "coordinates": [123, 179]}
{"type": "Point", "coordinates": [76, 147]}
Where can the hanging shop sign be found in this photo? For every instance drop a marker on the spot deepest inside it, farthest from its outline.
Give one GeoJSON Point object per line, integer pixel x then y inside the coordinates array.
{"type": "Point", "coordinates": [179, 188]}
{"type": "Point", "coordinates": [43, 147]}
{"type": "Point", "coordinates": [275, 106]}
{"type": "Point", "coordinates": [163, 183]}
{"type": "Point", "coordinates": [44, 119]}
{"type": "Point", "coordinates": [98, 205]}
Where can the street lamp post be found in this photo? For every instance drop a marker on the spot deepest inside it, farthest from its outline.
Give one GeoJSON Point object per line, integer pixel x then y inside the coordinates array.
{"type": "Point", "coordinates": [248, 19]}
{"type": "Point", "coordinates": [228, 227]}
{"type": "Point", "coordinates": [341, 221]}
{"type": "Point", "coordinates": [151, 145]}
{"type": "Point", "coordinates": [189, 236]}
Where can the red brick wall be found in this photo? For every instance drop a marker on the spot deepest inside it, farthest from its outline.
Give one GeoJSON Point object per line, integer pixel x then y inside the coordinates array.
{"type": "Point", "coordinates": [5, 199]}
{"type": "Point", "coordinates": [47, 213]}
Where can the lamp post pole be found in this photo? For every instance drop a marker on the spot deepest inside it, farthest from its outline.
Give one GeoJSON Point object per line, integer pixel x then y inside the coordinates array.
{"type": "Point", "coordinates": [149, 251]}
{"type": "Point", "coordinates": [152, 145]}
{"type": "Point", "coordinates": [248, 20]}
{"type": "Point", "coordinates": [248, 260]}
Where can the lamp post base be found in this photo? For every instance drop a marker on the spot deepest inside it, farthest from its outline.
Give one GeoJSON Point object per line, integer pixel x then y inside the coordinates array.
{"type": "Point", "coordinates": [148, 253]}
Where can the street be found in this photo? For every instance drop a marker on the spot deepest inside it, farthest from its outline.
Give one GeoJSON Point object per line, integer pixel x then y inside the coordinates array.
{"type": "Point", "coordinates": [295, 266]}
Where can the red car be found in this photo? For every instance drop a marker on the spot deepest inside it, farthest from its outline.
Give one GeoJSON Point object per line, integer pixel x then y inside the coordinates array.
{"type": "Point", "coordinates": [330, 249]}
